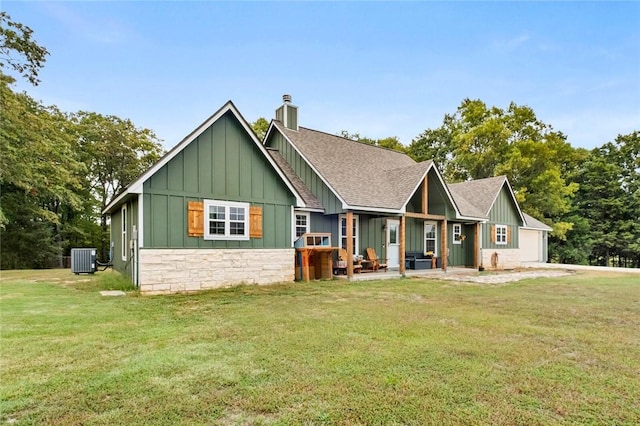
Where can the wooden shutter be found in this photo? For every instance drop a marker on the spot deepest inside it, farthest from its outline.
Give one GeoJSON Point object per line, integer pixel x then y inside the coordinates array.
{"type": "Point", "coordinates": [255, 222]}
{"type": "Point", "coordinates": [195, 225]}
{"type": "Point", "coordinates": [508, 235]}
{"type": "Point", "coordinates": [493, 234]}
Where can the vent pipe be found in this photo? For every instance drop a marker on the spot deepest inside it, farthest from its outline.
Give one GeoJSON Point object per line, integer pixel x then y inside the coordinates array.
{"type": "Point", "coordinates": [286, 99]}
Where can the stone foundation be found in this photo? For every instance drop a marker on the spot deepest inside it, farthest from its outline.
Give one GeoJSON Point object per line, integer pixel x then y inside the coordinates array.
{"type": "Point", "coordinates": [506, 258]}
{"type": "Point", "coordinates": [164, 271]}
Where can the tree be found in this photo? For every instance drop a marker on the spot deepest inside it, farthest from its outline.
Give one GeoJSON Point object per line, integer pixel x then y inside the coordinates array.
{"type": "Point", "coordinates": [39, 175]}
{"type": "Point", "coordinates": [478, 142]}
{"type": "Point", "coordinates": [115, 153]}
{"type": "Point", "coordinates": [609, 200]}
{"type": "Point", "coordinates": [392, 142]}
{"type": "Point", "coordinates": [19, 51]}
{"type": "Point", "coordinates": [260, 127]}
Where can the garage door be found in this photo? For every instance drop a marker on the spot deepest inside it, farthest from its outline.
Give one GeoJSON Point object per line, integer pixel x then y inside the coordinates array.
{"type": "Point", "coordinates": [529, 245]}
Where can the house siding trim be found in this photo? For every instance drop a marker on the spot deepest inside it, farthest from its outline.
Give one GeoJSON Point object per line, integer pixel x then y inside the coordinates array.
{"type": "Point", "coordinates": [165, 271]}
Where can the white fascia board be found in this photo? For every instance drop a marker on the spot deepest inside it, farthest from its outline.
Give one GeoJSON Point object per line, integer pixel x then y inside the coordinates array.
{"type": "Point", "coordinates": [537, 228]}
{"type": "Point", "coordinates": [346, 206]}
{"type": "Point", "coordinates": [473, 219]}
{"type": "Point", "coordinates": [344, 203]}
{"type": "Point", "coordinates": [309, 209]}
{"type": "Point", "coordinates": [136, 186]}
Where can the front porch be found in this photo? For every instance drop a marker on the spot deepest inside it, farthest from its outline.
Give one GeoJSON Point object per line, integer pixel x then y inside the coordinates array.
{"type": "Point", "coordinates": [395, 274]}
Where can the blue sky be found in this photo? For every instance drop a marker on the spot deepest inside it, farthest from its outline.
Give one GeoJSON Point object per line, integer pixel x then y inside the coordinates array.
{"type": "Point", "coordinates": [380, 69]}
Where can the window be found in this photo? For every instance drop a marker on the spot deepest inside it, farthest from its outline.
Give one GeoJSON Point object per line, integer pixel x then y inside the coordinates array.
{"type": "Point", "coordinates": [125, 243]}
{"type": "Point", "coordinates": [302, 223]}
{"type": "Point", "coordinates": [457, 233]}
{"type": "Point", "coordinates": [430, 238]}
{"type": "Point", "coordinates": [501, 234]}
{"type": "Point", "coordinates": [226, 220]}
{"type": "Point", "coordinates": [343, 233]}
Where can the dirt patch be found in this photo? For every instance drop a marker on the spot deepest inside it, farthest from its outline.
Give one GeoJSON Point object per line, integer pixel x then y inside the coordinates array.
{"type": "Point", "coordinates": [492, 277]}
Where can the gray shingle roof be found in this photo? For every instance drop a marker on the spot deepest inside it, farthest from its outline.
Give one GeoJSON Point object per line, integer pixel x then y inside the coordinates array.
{"type": "Point", "coordinates": [362, 175]}
{"type": "Point", "coordinates": [474, 198]}
{"type": "Point", "coordinates": [533, 223]}
{"type": "Point", "coordinates": [310, 200]}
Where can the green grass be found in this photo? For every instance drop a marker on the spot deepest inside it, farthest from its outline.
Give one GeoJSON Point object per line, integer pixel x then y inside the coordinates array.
{"type": "Point", "coordinates": [546, 351]}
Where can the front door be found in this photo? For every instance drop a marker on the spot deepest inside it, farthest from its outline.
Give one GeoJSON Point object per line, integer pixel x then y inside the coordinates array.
{"type": "Point", "coordinates": [393, 243]}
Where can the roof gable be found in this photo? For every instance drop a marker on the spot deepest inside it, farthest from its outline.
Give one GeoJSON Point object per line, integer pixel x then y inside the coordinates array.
{"type": "Point", "coordinates": [136, 186]}
{"type": "Point", "coordinates": [476, 198]}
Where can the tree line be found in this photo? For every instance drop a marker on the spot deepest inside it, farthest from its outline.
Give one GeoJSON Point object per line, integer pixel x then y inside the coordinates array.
{"type": "Point", "coordinates": [591, 198]}
{"type": "Point", "coordinates": [58, 170]}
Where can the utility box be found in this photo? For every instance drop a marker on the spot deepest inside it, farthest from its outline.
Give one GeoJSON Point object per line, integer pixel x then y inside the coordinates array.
{"type": "Point", "coordinates": [83, 260]}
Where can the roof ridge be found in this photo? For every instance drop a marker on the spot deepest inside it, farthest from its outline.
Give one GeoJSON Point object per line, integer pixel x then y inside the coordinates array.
{"type": "Point", "coordinates": [353, 140]}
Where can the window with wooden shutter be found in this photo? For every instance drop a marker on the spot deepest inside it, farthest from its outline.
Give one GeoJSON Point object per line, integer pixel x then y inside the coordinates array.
{"type": "Point", "coordinates": [255, 222]}
{"type": "Point", "coordinates": [508, 235]}
{"type": "Point", "coordinates": [501, 234]}
{"type": "Point", "coordinates": [195, 226]}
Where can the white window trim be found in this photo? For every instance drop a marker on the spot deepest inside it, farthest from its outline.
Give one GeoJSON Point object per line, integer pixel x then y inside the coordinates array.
{"type": "Point", "coordinates": [499, 237]}
{"type": "Point", "coordinates": [457, 232]}
{"type": "Point", "coordinates": [123, 232]}
{"type": "Point", "coordinates": [227, 220]}
{"type": "Point", "coordinates": [424, 237]}
{"type": "Point", "coordinates": [295, 223]}
{"type": "Point", "coordinates": [356, 235]}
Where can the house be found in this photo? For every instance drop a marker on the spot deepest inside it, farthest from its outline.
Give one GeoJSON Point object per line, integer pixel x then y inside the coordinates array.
{"type": "Point", "coordinates": [222, 208]}
{"type": "Point", "coordinates": [214, 211]}
{"type": "Point", "coordinates": [392, 203]}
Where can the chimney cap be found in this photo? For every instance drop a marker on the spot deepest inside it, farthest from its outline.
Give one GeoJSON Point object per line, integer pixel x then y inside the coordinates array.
{"type": "Point", "coordinates": [286, 99]}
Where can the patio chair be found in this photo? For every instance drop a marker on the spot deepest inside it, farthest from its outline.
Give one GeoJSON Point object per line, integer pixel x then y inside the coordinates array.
{"type": "Point", "coordinates": [375, 260]}
{"type": "Point", "coordinates": [340, 266]}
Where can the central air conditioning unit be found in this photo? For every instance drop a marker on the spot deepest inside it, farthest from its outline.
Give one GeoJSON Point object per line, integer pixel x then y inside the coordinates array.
{"type": "Point", "coordinates": [83, 260]}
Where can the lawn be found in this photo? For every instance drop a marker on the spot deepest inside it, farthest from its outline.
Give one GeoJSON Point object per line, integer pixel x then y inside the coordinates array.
{"type": "Point", "coordinates": [408, 351]}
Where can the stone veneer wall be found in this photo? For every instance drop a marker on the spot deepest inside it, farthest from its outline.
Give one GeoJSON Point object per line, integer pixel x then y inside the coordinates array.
{"type": "Point", "coordinates": [165, 271]}
{"type": "Point", "coordinates": [507, 258]}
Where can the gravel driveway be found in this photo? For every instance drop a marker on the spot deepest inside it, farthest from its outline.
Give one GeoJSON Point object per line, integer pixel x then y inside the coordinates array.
{"type": "Point", "coordinates": [491, 277]}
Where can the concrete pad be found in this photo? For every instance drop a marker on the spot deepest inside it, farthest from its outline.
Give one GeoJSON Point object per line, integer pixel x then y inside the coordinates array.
{"type": "Point", "coordinates": [113, 293]}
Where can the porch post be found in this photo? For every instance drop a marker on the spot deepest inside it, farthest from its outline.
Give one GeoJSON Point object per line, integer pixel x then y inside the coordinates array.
{"type": "Point", "coordinates": [349, 247]}
{"type": "Point", "coordinates": [444, 244]}
{"type": "Point", "coordinates": [402, 244]}
{"type": "Point", "coordinates": [476, 247]}
{"type": "Point", "coordinates": [425, 196]}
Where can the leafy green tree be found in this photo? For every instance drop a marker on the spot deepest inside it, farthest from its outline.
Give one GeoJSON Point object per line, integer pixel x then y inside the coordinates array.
{"type": "Point", "coordinates": [19, 50]}
{"type": "Point", "coordinates": [609, 200]}
{"type": "Point", "coordinates": [391, 142]}
{"type": "Point", "coordinates": [115, 153]}
{"type": "Point", "coordinates": [260, 127]}
{"type": "Point", "coordinates": [478, 142]}
{"type": "Point", "coordinates": [39, 175]}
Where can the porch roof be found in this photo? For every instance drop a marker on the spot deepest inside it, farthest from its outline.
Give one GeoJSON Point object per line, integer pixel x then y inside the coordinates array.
{"type": "Point", "coordinates": [310, 200]}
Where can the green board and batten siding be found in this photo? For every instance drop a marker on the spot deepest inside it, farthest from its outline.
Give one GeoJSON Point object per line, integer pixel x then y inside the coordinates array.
{"type": "Point", "coordinates": [123, 266]}
{"type": "Point", "coordinates": [222, 163]}
{"type": "Point", "coordinates": [330, 202]}
{"type": "Point", "coordinates": [503, 212]}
